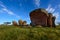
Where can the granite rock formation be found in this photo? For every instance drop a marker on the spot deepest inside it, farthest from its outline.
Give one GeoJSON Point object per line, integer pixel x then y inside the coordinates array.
{"type": "Point", "coordinates": [42, 17]}
{"type": "Point", "coordinates": [14, 23]}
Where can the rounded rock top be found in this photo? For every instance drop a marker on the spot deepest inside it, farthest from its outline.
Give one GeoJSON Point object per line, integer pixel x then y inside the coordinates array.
{"type": "Point", "coordinates": [39, 10]}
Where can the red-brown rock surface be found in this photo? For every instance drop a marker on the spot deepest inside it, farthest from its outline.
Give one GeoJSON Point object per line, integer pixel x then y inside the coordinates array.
{"type": "Point", "coordinates": [41, 17]}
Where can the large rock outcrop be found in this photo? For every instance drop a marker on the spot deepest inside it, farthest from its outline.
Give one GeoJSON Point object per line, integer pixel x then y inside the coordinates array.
{"type": "Point", "coordinates": [42, 17]}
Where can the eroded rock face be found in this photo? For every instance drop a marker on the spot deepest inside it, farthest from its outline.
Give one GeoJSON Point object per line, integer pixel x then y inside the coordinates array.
{"type": "Point", "coordinates": [49, 20]}
{"type": "Point", "coordinates": [41, 17]}
{"type": "Point", "coordinates": [53, 20]}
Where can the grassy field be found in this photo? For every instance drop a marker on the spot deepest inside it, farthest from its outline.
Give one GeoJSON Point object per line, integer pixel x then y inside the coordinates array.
{"type": "Point", "coordinates": [17, 33]}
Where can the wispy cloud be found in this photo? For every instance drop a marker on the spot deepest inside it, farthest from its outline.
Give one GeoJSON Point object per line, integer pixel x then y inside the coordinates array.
{"type": "Point", "coordinates": [1, 4]}
{"type": "Point", "coordinates": [53, 10]}
{"type": "Point", "coordinates": [57, 17]}
{"type": "Point", "coordinates": [50, 9]}
{"type": "Point", "coordinates": [4, 9]}
{"type": "Point", "coordinates": [37, 3]}
{"type": "Point", "coordinates": [8, 11]}
{"type": "Point", "coordinates": [56, 14]}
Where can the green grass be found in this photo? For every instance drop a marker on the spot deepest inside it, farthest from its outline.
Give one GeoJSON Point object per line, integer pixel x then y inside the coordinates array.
{"type": "Point", "coordinates": [17, 33]}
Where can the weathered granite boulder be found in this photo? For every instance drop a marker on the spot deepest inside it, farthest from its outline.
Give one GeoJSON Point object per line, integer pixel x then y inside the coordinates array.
{"type": "Point", "coordinates": [14, 23]}
{"type": "Point", "coordinates": [53, 20]}
{"type": "Point", "coordinates": [42, 17]}
{"type": "Point", "coordinates": [39, 17]}
{"type": "Point", "coordinates": [49, 20]}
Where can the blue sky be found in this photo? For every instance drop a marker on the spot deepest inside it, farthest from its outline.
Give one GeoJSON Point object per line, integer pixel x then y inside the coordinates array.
{"type": "Point", "coordinates": [19, 9]}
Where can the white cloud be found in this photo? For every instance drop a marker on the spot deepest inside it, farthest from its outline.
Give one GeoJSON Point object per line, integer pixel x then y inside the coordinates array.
{"type": "Point", "coordinates": [56, 14]}
{"type": "Point", "coordinates": [53, 10]}
{"type": "Point", "coordinates": [4, 9]}
{"type": "Point", "coordinates": [8, 11]}
{"type": "Point", "coordinates": [37, 2]}
{"type": "Point", "coordinates": [1, 4]}
{"type": "Point", "coordinates": [57, 17]}
{"type": "Point", "coordinates": [50, 9]}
